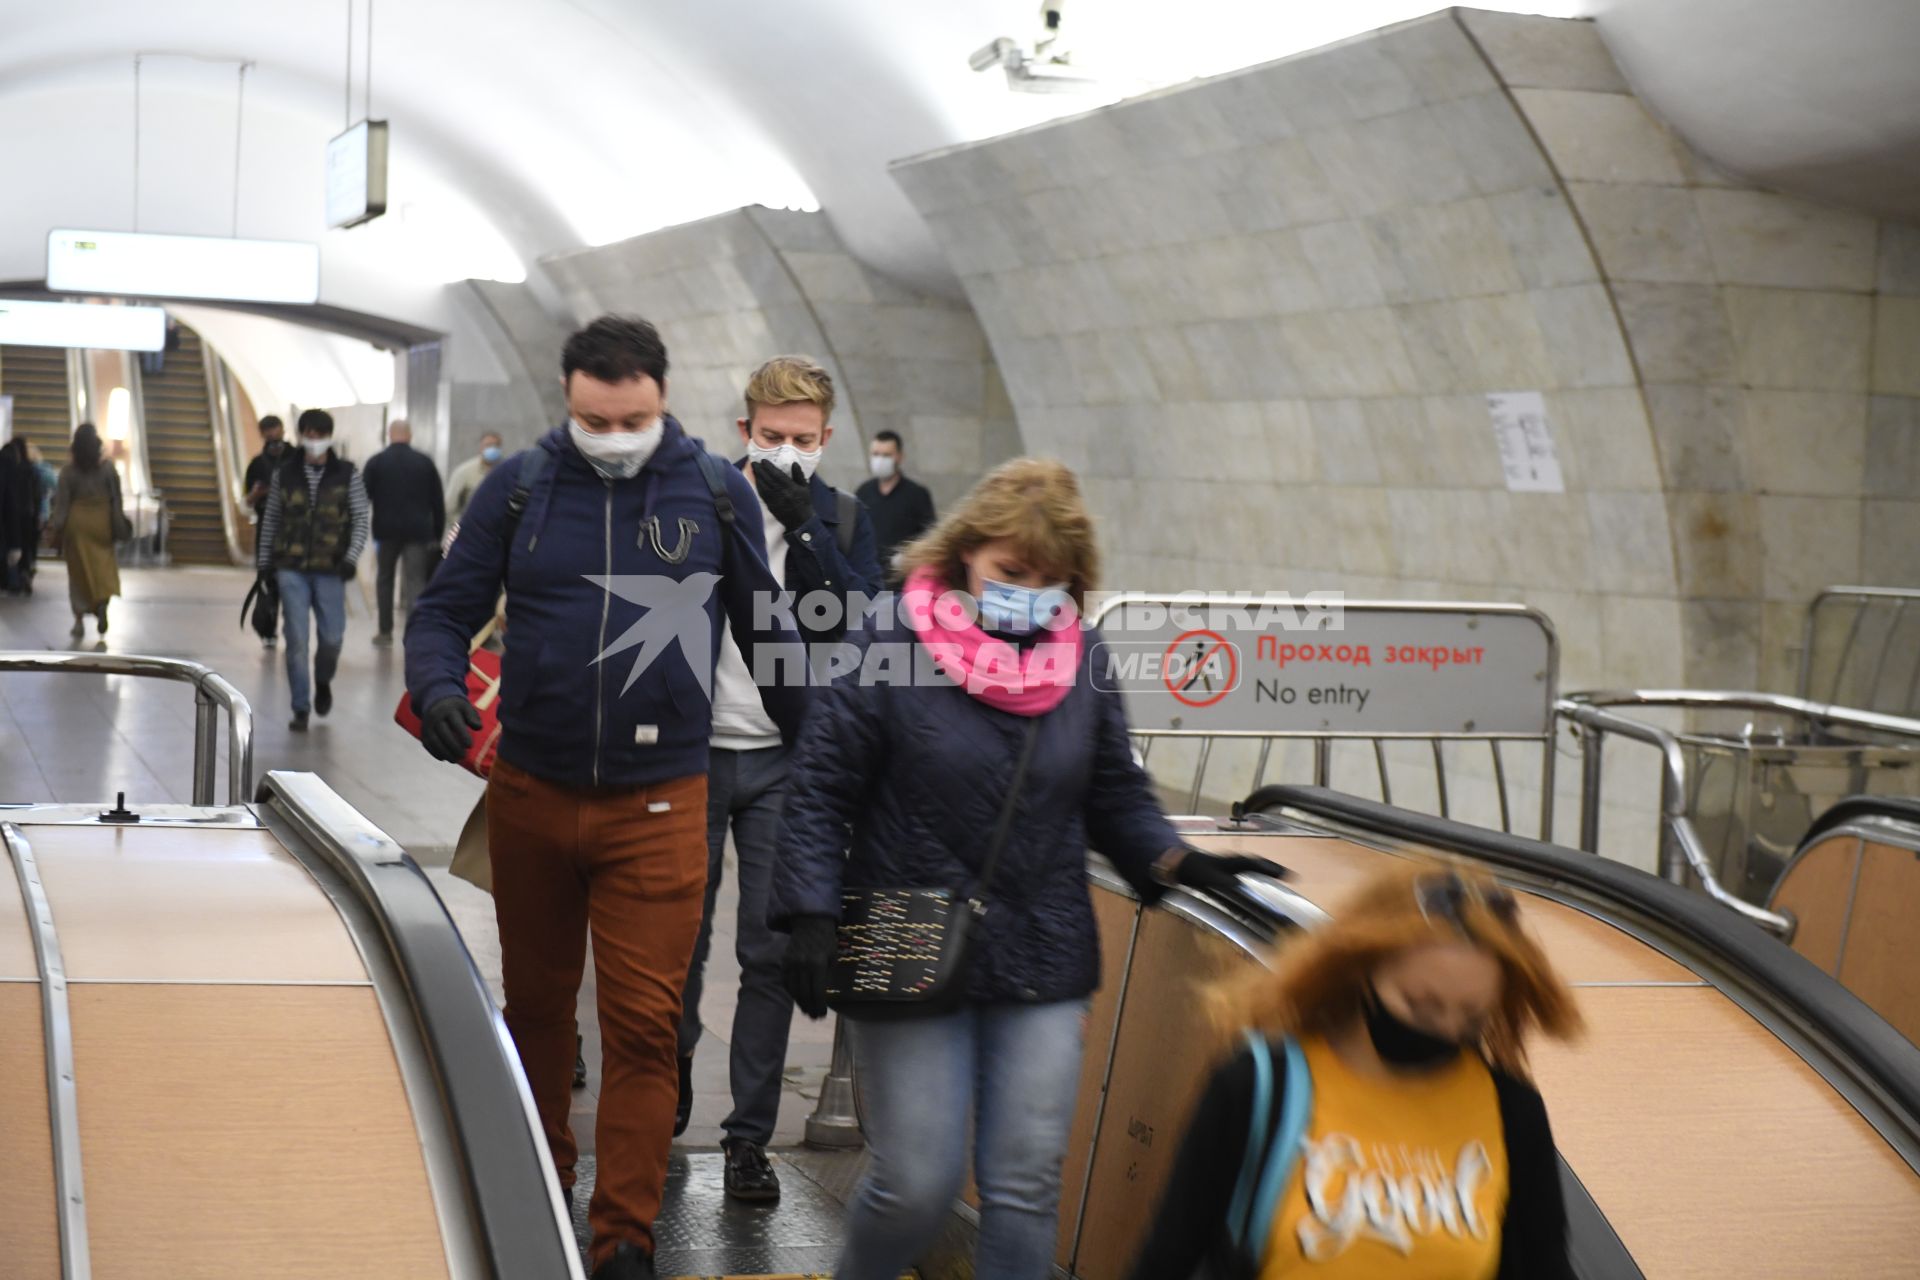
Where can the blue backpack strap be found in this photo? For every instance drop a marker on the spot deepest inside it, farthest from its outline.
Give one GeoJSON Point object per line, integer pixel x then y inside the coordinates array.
{"type": "Point", "coordinates": [1256, 1138]}
{"type": "Point", "coordinates": [1296, 1109]}
{"type": "Point", "coordinates": [533, 465]}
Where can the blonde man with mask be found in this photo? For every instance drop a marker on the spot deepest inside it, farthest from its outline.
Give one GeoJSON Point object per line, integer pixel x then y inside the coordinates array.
{"type": "Point", "coordinates": [818, 541]}
{"type": "Point", "coordinates": [622, 545]}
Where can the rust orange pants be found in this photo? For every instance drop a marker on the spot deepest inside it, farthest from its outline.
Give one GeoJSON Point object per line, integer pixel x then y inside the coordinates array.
{"type": "Point", "coordinates": [631, 866]}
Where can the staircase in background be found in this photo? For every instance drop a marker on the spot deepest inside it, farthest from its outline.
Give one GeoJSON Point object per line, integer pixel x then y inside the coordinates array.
{"type": "Point", "coordinates": [180, 458]}
{"type": "Point", "coordinates": [36, 378]}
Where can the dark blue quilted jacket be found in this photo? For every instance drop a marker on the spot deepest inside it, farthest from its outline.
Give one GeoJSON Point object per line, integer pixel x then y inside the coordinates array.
{"type": "Point", "coordinates": [919, 775]}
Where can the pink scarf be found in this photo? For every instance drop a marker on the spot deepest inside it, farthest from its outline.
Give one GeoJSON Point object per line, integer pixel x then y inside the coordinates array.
{"type": "Point", "coordinates": [1026, 682]}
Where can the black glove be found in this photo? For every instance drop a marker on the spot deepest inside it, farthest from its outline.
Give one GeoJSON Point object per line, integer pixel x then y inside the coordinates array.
{"type": "Point", "coordinates": [804, 968]}
{"type": "Point", "coordinates": [447, 730]}
{"type": "Point", "coordinates": [790, 498]}
{"type": "Point", "coordinates": [347, 571]}
{"type": "Point", "coordinates": [1220, 873]}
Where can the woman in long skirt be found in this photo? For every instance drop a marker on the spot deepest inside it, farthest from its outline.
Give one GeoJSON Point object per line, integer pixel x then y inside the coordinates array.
{"type": "Point", "coordinates": [87, 519]}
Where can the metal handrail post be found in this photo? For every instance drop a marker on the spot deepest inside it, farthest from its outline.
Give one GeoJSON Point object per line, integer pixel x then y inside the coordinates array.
{"type": "Point", "coordinates": [206, 744]}
{"type": "Point", "coordinates": [1673, 811]}
{"type": "Point", "coordinates": [1592, 742]}
{"type": "Point", "coordinates": [835, 1121]}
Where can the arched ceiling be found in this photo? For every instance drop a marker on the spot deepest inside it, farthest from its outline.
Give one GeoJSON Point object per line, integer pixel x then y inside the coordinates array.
{"type": "Point", "coordinates": [525, 127]}
{"type": "Point", "coordinates": [1817, 97]}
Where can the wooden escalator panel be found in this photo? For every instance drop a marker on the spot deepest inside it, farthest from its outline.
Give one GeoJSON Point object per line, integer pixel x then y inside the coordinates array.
{"type": "Point", "coordinates": [1881, 962]}
{"type": "Point", "coordinates": [29, 1230]}
{"type": "Point", "coordinates": [1715, 1151]}
{"type": "Point", "coordinates": [1818, 889]}
{"type": "Point", "coordinates": [237, 1131]}
{"type": "Point", "coordinates": [190, 904]}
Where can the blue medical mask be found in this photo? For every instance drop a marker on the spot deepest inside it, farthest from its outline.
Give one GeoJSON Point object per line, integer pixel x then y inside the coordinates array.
{"type": "Point", "coordinates": [1021, 611]}
{"type": "Point", "coordinates": [490, 454]}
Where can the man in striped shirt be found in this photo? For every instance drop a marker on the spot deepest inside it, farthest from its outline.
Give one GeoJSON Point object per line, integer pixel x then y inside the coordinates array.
{"type": "Point", "coordinates": [311, 537]}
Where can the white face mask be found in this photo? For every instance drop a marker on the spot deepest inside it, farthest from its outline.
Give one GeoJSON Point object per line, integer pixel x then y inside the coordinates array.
{"type": "Point", "coordinates": [784, 457]}
{"type": "Point", "coordinates": [316, 449]}
{"type": "Point", "coordinates": [617, 455]}
{"type": "Point", "coordinates": [882, 466]}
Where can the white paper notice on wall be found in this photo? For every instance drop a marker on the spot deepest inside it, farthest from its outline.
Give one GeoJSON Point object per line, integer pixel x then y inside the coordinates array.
{"type": "Point", "coordinates": [1526, 443]}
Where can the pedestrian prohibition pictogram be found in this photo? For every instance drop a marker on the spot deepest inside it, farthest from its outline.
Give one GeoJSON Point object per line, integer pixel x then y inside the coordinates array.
{"type": "Point", "coordinates": [1201, 668]}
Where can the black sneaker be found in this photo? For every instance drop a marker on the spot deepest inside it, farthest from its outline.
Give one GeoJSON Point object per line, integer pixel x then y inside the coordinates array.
{"type": "Point", "coordinates": [683, 1114]}
{"type": "Point", "coordinates": [383, 640]}
{"type": "Point", "coordinates": [299, 722]}
{"type": "Point", "coordinates": [322, 698]}
{"type": "Point", "coordinates": [750, 1175]}
{"type": "Point", "coordinates": [579, 1063]}
{"type": "Point", "coordinates": [626, 1262]}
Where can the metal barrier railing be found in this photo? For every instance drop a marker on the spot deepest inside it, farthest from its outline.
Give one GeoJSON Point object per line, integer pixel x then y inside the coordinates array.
{"type": "Point", "coordinates": [1526, 694]}
{"type": "Point", "coordinates": [1888, 686]}
{"type": "Point", "coordinates": [211, 692]}
{"type": "Point", "coordinates": [1681, 848]}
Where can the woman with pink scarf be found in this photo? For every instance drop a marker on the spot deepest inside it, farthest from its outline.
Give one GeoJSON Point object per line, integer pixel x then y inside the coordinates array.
{"type": "Point", "coordinates": [902, 775]}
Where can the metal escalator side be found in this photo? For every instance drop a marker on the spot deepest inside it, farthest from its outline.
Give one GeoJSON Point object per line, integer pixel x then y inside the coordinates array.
{"type": "Point", "coordinates": [493, 1178]}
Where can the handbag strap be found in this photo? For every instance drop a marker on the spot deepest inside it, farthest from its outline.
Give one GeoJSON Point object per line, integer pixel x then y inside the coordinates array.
{"type": "Point", "coordinates": [978, 900]}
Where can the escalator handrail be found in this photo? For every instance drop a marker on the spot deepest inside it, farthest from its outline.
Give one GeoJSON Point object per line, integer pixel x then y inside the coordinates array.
{"type": "Point", "coordinates": [482, 1092]}
{"type": "Point", "coordinates": [1853, 808]}
{"type": "Point", "coordinates": [1871, 1050]}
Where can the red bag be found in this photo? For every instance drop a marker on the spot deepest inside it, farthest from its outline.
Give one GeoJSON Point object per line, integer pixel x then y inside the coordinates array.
{"type": "Point", "coordinates": [483, 691]}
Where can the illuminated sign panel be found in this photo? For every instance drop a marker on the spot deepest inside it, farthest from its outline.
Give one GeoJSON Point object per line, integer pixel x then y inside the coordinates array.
{"type": "Point", "coordinates": [357, 174]}
{"type": "Point", "coordinates": [87, 326]}
{"type": "Point", "coordinates": [137, 264]}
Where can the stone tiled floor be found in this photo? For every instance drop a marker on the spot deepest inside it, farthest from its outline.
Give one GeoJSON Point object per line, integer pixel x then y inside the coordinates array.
{"type": "Point", "coordinates": [82, 738]}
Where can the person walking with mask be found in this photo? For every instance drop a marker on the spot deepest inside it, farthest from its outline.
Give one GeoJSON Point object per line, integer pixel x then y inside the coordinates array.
{"type": "Point", "coordinates": [408, 519]}
{"type": "Point", "coordinates": [819, 543]}
{"type": "Point", "coordinates": [466, 478]}
{"type": "Point", "coordinates": [902, 509]}
{"type": "Point", "coordinates": [952, 738]}
{"type": "Point", "coordinates": [312, 536]}
{"type": "Point", "coordinates": [88, 517]}
{"type": "Point", "coordinates": [621, 543]}
{"type": "Point", "coordinates": [258, 482]}
{"type": "Point", "coordinates": [1401, 1028]}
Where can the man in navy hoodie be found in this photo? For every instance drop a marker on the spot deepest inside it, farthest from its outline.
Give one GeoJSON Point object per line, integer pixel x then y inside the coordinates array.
{"type": "Point", "coordinates": [619, 541]}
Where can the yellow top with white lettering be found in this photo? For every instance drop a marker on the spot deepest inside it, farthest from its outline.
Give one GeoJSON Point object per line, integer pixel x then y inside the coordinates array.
{"type": "Point", "coordinates": [1403, 1179]}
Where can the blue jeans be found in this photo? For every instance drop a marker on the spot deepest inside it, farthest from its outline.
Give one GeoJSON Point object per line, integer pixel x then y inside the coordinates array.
{"type": "Point", "coordinates": [1016, 1067]}
{"type": "Point", "coordinates": [746, 788]}
{"type": "Point", "coordinates": [326, 595]}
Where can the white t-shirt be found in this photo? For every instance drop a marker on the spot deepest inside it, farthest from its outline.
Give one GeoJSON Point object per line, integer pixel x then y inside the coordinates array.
{"type": "Point", "coordinates": [740, 722]}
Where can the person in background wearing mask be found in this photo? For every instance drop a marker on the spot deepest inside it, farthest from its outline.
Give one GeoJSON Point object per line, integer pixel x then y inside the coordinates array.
{"type": "Point", "coordinates": [902, 510]}
{"type": "Point", "coordinates": [630, 543]}
{"type": "Point", "coordinates": [818, 540]}
{"type": "Point", "coordinates": [466, 477]}
{"type": "Point", "coordinates": [1409, 1016]}
{"type": "Point", "coordinates": [312, 535]}
{"type": "Point", "coordinates": [408, 519]}
{"type": "Point", "coordinates": [901, 781]}
{"type": "Point", "coordinates": [259, 479]}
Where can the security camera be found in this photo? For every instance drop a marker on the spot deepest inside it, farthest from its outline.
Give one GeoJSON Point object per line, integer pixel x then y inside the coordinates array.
{"type": "Point", "coordinates": [987, 57]}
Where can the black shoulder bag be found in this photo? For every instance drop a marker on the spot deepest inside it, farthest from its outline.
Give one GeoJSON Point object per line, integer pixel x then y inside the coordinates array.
{"type": "Point", "coordinates": [902, 953]}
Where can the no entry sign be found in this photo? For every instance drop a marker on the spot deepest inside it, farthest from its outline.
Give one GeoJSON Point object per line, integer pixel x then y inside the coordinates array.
{"type": "Point", "coordinates": [1206, 664]}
